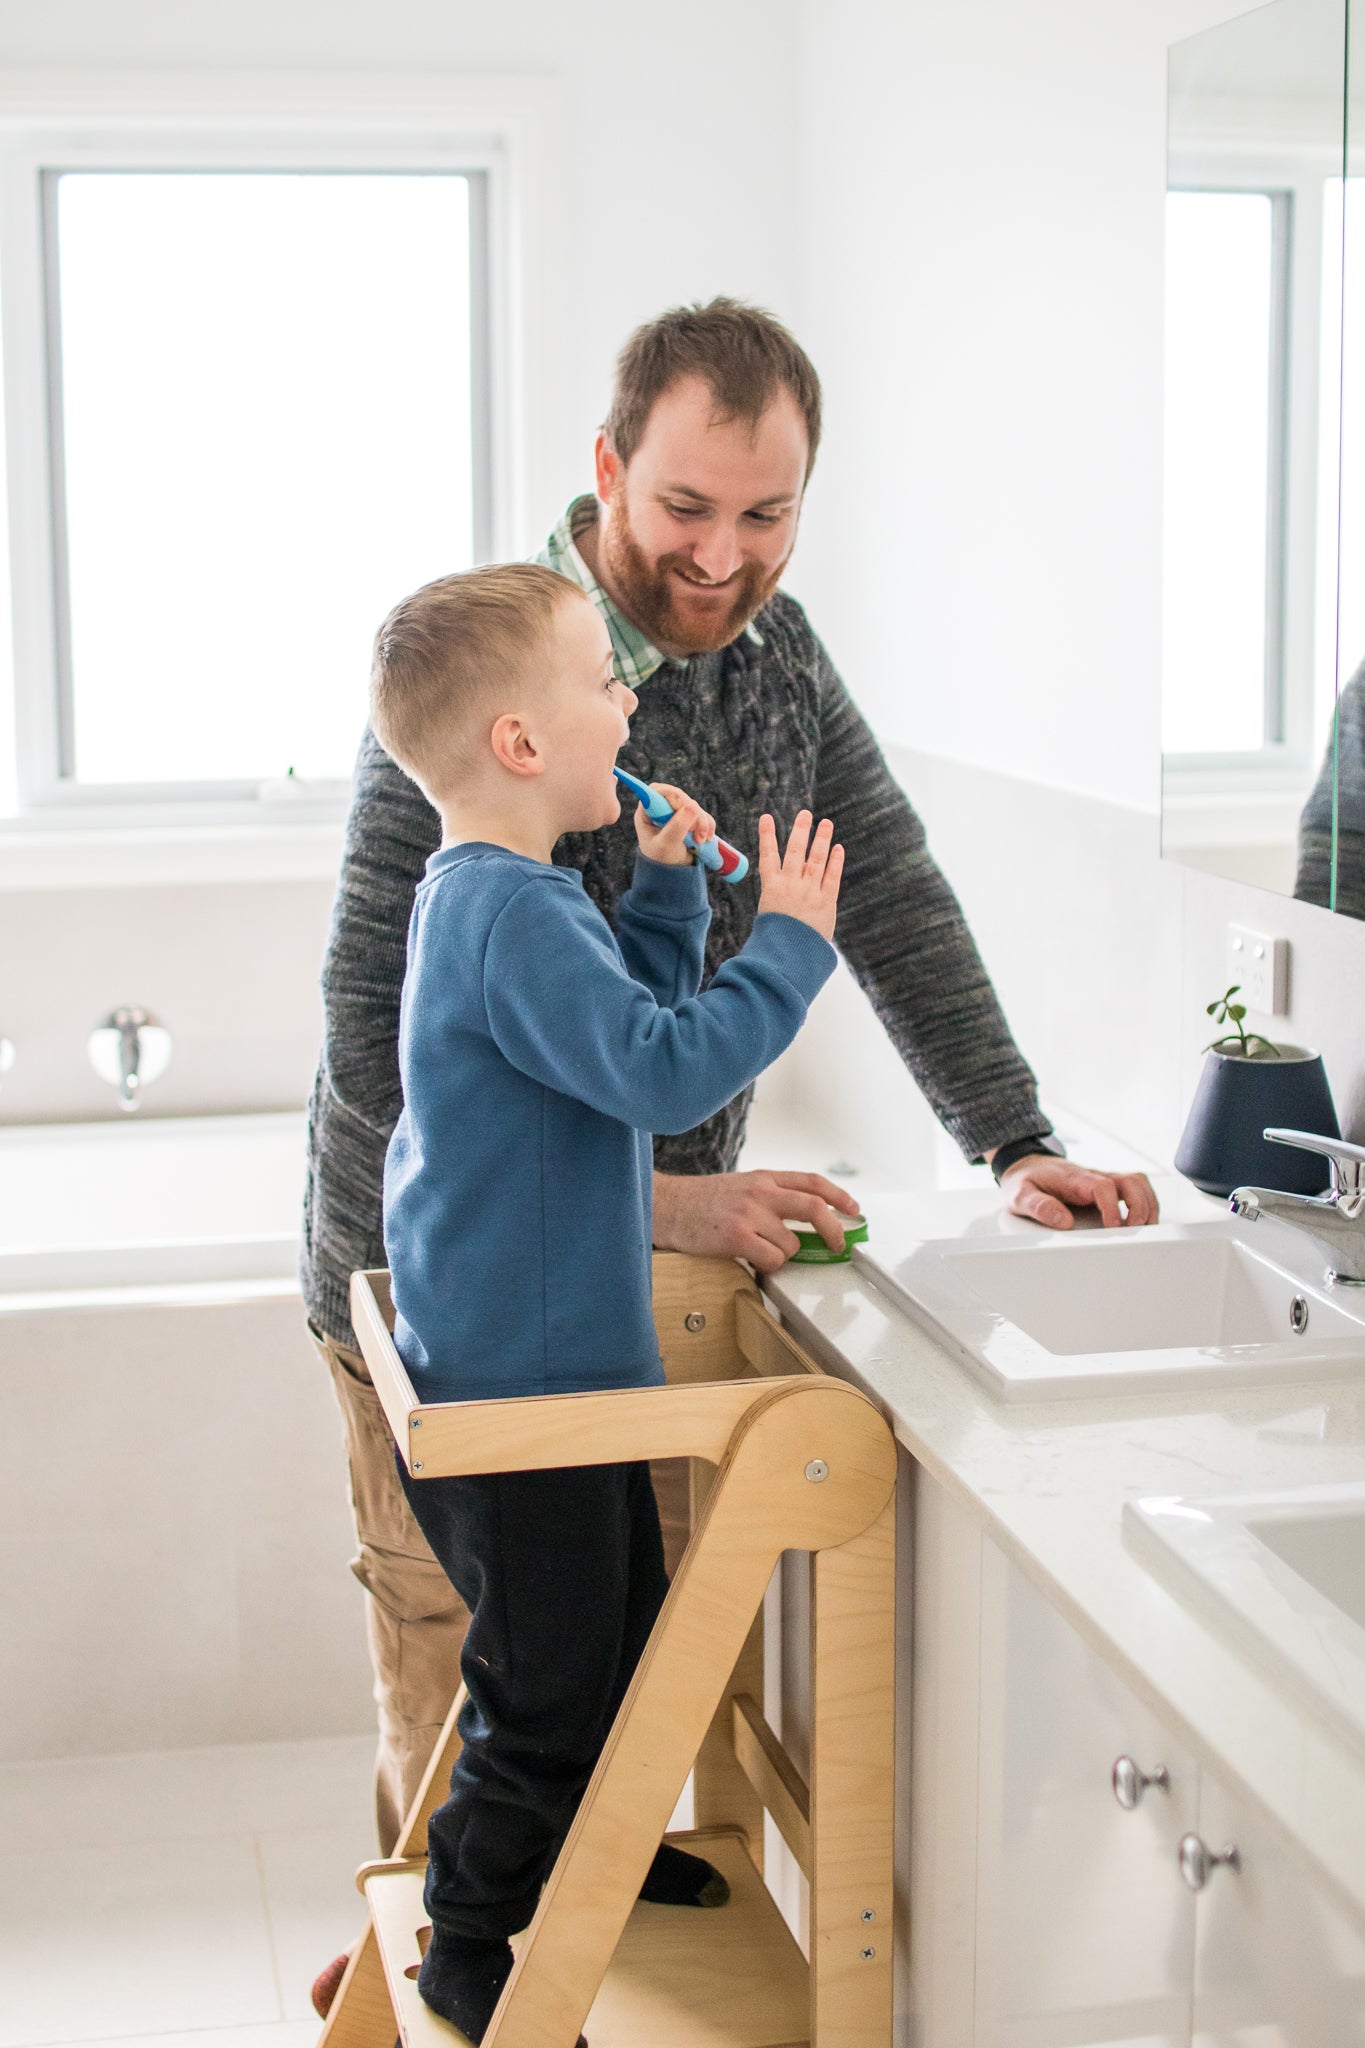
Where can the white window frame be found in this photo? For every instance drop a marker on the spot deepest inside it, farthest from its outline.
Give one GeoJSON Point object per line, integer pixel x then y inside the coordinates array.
{"type": "Point", "coordinates": [496, 127]}
{"type": "Point", "coordinates": [1291, 169]}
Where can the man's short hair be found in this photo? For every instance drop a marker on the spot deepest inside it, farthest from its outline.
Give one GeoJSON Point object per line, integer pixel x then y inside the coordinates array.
{"type": "Point", "coordinates": [745, 356]}
{"type": "Point", "coordinates": [444, 660]}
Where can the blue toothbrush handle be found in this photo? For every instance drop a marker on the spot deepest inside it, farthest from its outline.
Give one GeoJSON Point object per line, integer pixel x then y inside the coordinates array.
{"type": "Point", "coordinates": [715, 853]}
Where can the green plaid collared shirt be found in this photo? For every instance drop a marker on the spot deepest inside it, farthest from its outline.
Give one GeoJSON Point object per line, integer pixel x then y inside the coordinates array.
{"type": "Point", "coordinates": [637, 658]}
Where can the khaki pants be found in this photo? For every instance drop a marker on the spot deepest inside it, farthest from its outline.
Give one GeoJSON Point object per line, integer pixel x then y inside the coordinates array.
{"type": "Point", "coordinates": [414, 1618]}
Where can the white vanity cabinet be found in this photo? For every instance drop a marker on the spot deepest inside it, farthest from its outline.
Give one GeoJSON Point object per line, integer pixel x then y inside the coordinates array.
{"type": "Point", "coordinates": [1084, 1931]}
{"type": "Point", "coordinates": [1045, 1911]}
{"type": "Point", "coordinates": [1276, 1965]}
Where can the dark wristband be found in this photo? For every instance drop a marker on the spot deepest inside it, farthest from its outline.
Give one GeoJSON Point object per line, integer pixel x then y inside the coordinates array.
{"type": "Point", "coordinates": [1024, 1148]}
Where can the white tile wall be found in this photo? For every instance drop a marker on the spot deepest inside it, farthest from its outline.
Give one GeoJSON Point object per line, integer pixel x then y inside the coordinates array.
{"type": "Point", "coordinates": [1103, 955]}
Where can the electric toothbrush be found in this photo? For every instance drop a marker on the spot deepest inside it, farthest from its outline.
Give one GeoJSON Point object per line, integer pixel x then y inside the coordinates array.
{"type": "Point", "coordinates": [717, 854]}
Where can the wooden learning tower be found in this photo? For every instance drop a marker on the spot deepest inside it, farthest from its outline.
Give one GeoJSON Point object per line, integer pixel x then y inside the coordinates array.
{"type": "Point", "coordinates": [784, 1458]}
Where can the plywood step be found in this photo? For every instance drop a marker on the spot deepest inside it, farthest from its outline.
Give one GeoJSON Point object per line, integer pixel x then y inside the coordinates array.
{"type": "Point", "coordinates": [731, 1978]}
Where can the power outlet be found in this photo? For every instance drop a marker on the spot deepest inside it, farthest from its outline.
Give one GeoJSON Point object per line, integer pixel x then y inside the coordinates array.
{"type": "Point", "coordinates": [1260, 964]}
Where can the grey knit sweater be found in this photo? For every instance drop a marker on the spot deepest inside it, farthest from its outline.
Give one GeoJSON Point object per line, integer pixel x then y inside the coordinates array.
{"type": "Point", "coordinates": [752, 728]}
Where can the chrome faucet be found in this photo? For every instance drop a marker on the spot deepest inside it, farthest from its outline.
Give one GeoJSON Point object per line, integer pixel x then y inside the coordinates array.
{"type": "Point", "coordinates": [128, 1023]}
{"type": "Point", "coordinates": [128, 1048]}
{"type": "Point", "coordinates": [1334, 1221]}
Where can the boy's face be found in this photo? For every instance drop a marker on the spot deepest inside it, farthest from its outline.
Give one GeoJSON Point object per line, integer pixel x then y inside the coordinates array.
{"type": "Point", "coordinates": [586, 720]}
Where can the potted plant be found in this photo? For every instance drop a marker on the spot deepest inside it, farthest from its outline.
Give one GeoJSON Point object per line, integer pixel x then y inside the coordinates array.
{"type": "Point", "coordinates": [1249, 1085]}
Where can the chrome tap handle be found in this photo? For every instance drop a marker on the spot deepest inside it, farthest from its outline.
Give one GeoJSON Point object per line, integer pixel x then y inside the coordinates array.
{"type": "Point", "coordinates": [1347, 1161]}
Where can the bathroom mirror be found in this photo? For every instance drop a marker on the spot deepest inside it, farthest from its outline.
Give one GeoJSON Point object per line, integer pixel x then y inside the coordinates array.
{"type": "Point", "coordinates": [1264, 621]}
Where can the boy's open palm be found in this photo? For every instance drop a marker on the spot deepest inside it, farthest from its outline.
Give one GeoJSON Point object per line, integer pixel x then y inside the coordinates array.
{"type": "Point", "coordinates": [804, 881]}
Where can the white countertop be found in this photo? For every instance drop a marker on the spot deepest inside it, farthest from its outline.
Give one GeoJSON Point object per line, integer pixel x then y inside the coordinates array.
{"type": "Point", "coordinates": [1049, 1480]}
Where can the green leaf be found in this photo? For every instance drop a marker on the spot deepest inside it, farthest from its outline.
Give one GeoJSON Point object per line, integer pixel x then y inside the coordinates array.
{"type": "Point", "coordinates": [1237, 1011]}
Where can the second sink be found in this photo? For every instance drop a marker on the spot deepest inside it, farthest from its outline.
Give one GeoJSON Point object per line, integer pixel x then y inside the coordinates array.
{"type": "Point", "coordinates": [1284, 1573]}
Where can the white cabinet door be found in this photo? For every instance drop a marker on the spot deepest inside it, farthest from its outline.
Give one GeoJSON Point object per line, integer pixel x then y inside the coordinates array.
{"type": "Point", "coordinates": [1276, 1965]}
{"type": "Point", "coordinates": [1085, 1932]}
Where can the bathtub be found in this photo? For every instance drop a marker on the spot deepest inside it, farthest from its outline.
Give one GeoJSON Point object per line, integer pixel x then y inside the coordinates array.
{"type": "Point", "coordinates": [173, 1510]}
{"type": "Point", "coordinates": [181, 1200]}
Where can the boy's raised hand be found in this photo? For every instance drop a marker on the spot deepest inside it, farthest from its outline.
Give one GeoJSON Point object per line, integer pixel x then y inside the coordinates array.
{"type": "Point", "coordinates": [665, 842]}
{"type": "Point", "coordinates": [804, 881]}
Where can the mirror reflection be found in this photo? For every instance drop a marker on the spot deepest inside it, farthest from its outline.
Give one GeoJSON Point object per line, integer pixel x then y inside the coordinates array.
{"type": "Point", "coordinates": [1264, 456]}
{"type": "Point", "coordinates": [1332, 831]}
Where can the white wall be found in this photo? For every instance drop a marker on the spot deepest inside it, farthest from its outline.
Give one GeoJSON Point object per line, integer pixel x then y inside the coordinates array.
{"type": "Point", "coordinates": [674, 178]}
{"type": "Point", "coordinates": [982, 241]}
{"type": "Point", "coordinates": [960, 209]}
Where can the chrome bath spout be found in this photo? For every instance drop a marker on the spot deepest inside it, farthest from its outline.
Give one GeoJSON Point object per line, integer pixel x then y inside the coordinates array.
{"type": "Point", "coordinates": [128, 1024]}
{"type": "Point", "coordinates": [128, 1048]}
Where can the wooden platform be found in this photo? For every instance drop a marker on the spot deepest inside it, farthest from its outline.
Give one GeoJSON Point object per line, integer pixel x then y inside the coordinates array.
{"type": "Point", "coordinates": [729, 1978]}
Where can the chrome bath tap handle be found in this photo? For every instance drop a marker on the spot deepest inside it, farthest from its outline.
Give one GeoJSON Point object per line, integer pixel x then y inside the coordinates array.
{"type": "Point", "coordinates": [1347, 1161]}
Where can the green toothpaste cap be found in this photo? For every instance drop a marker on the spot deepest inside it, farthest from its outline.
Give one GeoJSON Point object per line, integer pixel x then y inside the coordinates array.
{"type": "Point", "coordinates": [815, 1252]}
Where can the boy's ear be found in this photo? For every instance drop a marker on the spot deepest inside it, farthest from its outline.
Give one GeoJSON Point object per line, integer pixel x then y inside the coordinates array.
{"type": "Point", "coordinates": [513, 746]}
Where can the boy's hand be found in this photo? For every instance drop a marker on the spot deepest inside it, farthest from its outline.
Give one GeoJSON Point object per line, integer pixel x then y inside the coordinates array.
{"type": "Point", "coordinates": [803, 882]}
{"type": "Point", "coordinates": [665, 842]}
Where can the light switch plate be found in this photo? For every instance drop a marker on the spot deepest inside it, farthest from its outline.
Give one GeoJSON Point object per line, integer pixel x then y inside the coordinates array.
{"type": "Point", "coordinates": [1260, 963]}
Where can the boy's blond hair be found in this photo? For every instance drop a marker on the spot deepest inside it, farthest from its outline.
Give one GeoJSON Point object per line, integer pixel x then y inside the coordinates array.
{"type": "Point", "coordinates": [447, 659]}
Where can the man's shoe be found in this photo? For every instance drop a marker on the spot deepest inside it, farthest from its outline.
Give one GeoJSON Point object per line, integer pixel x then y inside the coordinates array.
{"type": "Point", "coordinates": [328, 1983]}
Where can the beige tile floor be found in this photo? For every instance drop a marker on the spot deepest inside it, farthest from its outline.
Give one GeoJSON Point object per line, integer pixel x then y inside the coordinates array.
{"type": "Point", "coordinates": [181, 1898]}
{"type": "Point", "coordinates": [178, 1899]}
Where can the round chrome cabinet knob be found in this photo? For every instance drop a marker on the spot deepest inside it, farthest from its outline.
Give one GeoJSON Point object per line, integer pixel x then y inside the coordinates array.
{"type": "Point", "coordinates": [1198, 1862]}
{"type": "Point", "coordinates": [1130, 1782]}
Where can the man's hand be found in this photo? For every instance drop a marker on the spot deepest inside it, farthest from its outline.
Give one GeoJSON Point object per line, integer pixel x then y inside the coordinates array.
{"type": "Point", "coordinates": [1049, 1189]}
{"type": "Point", "coordinates": [741, 1215]}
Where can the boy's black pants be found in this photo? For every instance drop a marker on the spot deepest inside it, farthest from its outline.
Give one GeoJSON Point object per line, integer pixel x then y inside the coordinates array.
{"type": "Point", "coordinates": [563, 1574]}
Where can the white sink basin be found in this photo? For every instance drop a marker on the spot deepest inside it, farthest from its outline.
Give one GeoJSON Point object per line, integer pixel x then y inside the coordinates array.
{"type": "Point", "coordinates": [1284, 1573]}
{"type": "Point", "coordinates": [1113, 1311]}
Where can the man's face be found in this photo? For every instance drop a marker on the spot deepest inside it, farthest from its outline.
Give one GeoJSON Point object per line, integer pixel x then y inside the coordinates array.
{"type": "Point", "coordinates": [697, 530]}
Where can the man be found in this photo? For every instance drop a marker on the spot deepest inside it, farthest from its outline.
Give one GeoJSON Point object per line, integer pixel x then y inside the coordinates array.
{"type": "Point", "coordinates": [701, 468]}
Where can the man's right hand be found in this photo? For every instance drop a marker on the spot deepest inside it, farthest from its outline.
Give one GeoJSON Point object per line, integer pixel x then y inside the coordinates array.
{"type": "Point", "coordinates": [743, 1215]}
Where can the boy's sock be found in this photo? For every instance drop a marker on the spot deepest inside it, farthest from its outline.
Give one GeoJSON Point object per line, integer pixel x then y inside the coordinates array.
{"type": "Point", "coordinates": [677, 1879]}
{"type": "Point", "coordinates": [463, 1980]}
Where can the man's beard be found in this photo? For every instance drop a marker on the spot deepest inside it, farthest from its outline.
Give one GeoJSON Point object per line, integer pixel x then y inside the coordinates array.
{"type": "Point", "coordinates": [646, 590]}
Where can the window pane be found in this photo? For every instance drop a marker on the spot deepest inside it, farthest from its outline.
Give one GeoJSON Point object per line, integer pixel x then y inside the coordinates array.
{"type": "Point", "coordinates": [266, 412]}
{"type": "Point", "coordinates": [1218, 357]}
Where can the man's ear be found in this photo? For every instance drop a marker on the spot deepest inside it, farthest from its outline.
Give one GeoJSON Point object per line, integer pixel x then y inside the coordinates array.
{"type": "Point", "coordinates": [609, 467]}
{"type": "Point", "coordinates": [513, 746]}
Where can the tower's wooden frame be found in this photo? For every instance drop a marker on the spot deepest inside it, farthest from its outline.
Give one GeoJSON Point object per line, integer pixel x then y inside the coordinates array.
{"type": "Point", "coordinates": [786, 1459]}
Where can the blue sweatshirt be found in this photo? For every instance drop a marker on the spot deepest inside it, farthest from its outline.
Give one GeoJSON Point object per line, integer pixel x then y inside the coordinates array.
{"type": "Point", "coordinates": [538, 1055]}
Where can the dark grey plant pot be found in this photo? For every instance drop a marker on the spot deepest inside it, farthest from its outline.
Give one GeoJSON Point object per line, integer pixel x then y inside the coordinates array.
{"type": "Point", "coordinates": [1221, 1147]}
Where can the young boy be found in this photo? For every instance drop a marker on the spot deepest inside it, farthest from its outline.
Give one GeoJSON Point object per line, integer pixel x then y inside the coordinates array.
{"type": "Point", "coordinates": [538, 1054]}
